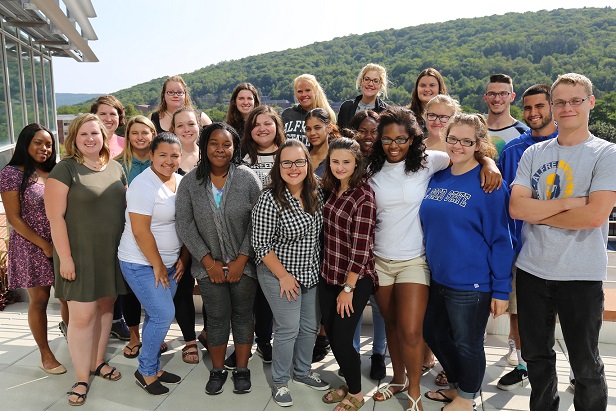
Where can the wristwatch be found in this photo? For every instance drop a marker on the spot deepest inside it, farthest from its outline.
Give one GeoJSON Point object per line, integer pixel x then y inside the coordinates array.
{"type": "Point", "coordinates": [348, 288]}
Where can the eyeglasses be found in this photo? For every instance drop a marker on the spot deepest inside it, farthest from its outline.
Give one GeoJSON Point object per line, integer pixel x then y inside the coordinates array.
{"type": "Point", "coordinates": [574, 102]}
{"type": "Point", "coordinates": [297, 163]}
{"type": "Point", "coordinates": [375, 81]}
{"type": "Point", "coordinates": [464, 143]}
{"type": "Point", "coordinates": [398, 141]}
{"type": "Point", "coordinates": [364, 133]}
{"type": "Point", "coordinates": [442, 119]}
{"type": "Point", "coordinates": [175, 93]}
{"type": "Point", "coordinates": [503, 94]}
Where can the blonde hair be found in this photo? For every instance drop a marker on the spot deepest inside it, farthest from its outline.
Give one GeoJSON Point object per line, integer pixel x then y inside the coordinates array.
{"type": "Point", "coordinates": [126, 156]}
{"type": "Point", "coordinates": [446, 100]}
{"type": "Point", "coordinates": [382, 76]}
{"type": "Point", "coordinates": [573, 79]}
{"type": "Point", "coordinates": [485, 146]}
{"type": "Point", "coordinates": [320, 99]}
{"type": "Point", "coordinates": [70, 143]}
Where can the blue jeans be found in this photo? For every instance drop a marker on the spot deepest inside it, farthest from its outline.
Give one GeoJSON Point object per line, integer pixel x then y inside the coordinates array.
{"type": "Point", "coordinates": [579, 305]}
{"type": "Point", "coordinates": [454, 325]}
{"type": "Point", "coordinates": [295, 327]}
{"type": "Point", "coordinates": [159, 312]}
{"type": "Point", "coordinates": [379, 339]}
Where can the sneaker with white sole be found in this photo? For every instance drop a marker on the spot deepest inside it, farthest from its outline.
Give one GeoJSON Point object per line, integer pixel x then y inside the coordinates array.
{"type": "Point", "coordinates": [312, 380]}
{"type": "Point", "coordinates": [512, 355]}
{"type": "Point", "coordinates": [282, 396]}
{"type": "Point", "coordinates": [518, 377]}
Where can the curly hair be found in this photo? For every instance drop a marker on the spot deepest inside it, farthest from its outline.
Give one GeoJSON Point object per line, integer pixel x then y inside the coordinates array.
{"type": "Point", "coordinates": [416, 157]}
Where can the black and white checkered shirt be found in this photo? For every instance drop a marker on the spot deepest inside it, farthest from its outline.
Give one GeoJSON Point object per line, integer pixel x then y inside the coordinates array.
{"type": "Point", "coordinates": [292, 234]}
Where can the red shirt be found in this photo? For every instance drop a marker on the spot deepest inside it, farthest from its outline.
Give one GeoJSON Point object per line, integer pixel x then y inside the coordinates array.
{"type": "Point", "coordinates": [348, 227]}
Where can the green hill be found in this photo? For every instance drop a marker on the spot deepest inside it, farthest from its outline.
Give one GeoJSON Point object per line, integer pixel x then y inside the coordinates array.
{"type": "Point", "coordinates": [532, 47]}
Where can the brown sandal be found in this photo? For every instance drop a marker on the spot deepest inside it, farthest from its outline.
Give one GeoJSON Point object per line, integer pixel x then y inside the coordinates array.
{"type": "Point", "coordinates": [354, 405]}
{"type": "Point", "coordinates": [335, 397]}
{"type": "Point", "coordinates": [188, 351]}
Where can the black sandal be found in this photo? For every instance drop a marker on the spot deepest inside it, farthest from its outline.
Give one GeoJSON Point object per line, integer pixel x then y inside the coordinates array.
{"type": "Point", "coordinates": [76, 394]}
{"type": "Point", "coordinates": [109, 376]}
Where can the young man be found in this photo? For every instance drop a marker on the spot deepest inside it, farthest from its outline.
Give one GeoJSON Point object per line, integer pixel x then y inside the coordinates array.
{"type": "Point", "coordinates": [564, 191]}
{"type": "Point", "coordinates": [502, 126]}
{"type": "Point", "coordinates": [538, 116]}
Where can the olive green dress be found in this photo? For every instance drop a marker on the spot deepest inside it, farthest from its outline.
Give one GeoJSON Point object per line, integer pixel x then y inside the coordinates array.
{"type": "Point", "coordinates": [94, 219]}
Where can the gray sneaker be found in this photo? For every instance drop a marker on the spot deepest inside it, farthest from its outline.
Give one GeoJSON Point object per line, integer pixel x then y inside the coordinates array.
{"type": "Point", "coordinates": [282, 396]}
{"type": "Point", "coordinates": [312, 380]}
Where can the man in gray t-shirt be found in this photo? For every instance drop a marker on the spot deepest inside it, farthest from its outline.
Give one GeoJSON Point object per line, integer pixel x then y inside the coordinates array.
{"type": "Point", "coordinates": [564, 191]}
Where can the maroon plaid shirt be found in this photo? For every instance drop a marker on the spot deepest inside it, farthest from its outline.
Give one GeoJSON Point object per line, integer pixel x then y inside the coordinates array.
{"type": "Point", "coordinates": [348, 226]}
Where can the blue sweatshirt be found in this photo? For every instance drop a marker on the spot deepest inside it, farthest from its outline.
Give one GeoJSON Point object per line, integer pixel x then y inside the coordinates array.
{"type": "Point", "coordinates": [466, 231]}
{"type": "Point", "coordinates": [508, 165]}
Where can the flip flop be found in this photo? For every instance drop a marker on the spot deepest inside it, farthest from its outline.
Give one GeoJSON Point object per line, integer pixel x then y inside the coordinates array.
{"type": "Point", "coordinates": [190, 350]}
{"type": "Point", "coordinates": [133, 355]}
{"type": "Point", "coordinates": [445, 398]}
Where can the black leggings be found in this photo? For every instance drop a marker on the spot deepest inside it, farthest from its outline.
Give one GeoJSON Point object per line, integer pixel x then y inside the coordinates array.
{"type": "Point", "coordinates": [263, 318]}
{"type": "Point", "coordinates": [340, 331]}
{"type": "Point", "coordinates": [184, 305]}
{"type": "Point", "coordinates": [131, 308]}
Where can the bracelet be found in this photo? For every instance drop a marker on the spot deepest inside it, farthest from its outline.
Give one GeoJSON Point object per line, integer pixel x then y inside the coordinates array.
{"type": "Point", "coordinates": [208, 269]}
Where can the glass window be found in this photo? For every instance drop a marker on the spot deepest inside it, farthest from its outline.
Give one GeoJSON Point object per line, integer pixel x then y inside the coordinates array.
{"type": "Point", "coordinates": [14, 82]}
{"type": "Point", "coordinates": [39, 88]}
{"type": "Point", "coordinates": [26, 66]}
{"type": "Point", "coordinates": [51, 124]}
{"type": "Point", "coordinates": [4, 119]}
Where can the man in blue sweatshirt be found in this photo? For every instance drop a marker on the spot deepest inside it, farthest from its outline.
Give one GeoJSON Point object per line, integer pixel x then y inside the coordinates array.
{"type": "Point", "coordinates": [537, 116]}
{"type": "Point", "coordinates": [564, 191]}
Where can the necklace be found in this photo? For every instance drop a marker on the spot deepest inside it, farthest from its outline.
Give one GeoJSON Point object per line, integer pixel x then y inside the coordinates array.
{"type": "Point", "coordinates": [95, 166]}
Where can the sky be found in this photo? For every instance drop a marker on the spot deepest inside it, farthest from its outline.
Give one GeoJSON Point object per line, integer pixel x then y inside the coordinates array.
{"type": "Point", "coordinates": [140, 40]}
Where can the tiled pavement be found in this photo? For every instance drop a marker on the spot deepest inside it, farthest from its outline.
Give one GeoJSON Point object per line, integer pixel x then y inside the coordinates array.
{"type": "Point", "coordinates": [23, 386]}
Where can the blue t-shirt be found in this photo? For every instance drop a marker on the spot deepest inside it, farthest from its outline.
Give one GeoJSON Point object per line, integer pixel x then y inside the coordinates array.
{"type": "Point", "coordinates": [467, 235]}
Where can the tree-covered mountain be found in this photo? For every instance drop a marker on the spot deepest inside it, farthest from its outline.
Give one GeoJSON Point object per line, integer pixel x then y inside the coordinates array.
{"type": "Point", "coordinates": [532, 47]}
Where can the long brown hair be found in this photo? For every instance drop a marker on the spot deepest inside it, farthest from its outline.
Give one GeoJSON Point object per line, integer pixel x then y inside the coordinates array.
{"type": "Point", "coordinates": [234, 117]}
{"type": "Point", "coordinates": [310, 187]}
{"type": "Point", "coordinates": [329, 181]}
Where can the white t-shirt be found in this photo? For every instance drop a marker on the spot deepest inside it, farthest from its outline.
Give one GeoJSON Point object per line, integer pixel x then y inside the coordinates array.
{"type": "Point", "coordinates": [147, 195]}
{"type": "Point", "coordinates": [398, 234]}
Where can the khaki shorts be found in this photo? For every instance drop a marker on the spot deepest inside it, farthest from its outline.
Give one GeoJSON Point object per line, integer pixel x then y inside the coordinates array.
{"type": "Point", "coordinates": [391, 272]}
{"type": "Point", "coordinates": [513, 301]}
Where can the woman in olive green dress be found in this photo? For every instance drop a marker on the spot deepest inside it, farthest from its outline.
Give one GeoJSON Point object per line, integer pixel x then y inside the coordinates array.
{"type": "Point", "coordinates": [85, 202]}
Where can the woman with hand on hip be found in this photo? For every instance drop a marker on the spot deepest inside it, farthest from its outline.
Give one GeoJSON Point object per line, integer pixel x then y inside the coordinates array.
{"type": "Point", "coordinates": [149, 254]}
{"type": "Point", "coordinates": [85, 197]}
{"type": "Point", "coordinates": [30, 254]}
{"type": "Point", "coordinates": [287, 222]}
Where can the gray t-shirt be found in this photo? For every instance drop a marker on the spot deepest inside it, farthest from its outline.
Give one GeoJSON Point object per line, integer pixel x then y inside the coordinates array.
{"type": "Point", "coordinates": [553, 171]}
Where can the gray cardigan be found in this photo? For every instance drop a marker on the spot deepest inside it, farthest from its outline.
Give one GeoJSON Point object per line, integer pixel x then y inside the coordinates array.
{"type": "Point", "coordinates": [195, 218]}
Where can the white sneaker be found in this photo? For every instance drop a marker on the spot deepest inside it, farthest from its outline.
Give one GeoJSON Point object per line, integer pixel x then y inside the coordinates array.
{"type": "Point", "coordinates": [512, 355]}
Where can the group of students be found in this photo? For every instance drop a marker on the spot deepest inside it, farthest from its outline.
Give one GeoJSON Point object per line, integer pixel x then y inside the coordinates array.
{"type": "Point", "coordinates": [296, 221]}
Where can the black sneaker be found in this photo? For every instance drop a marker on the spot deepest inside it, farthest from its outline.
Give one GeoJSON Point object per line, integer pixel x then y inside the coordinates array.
{"type": "Point", "coordinates": [265, 352]}
{"type": "Point", "coordinates": [120, 331]}
{"type": "Point", "coordinates": [215, 384]}
{"type": "Point", "coordinates": [514, 378]}
{"type": "Point", "coordinates": [241, 381]}
{"type": "Point", "coordinates": [572, 384]}
{"type": "Point", "coordinates": [63, 329]}
{"type": "Point", "coordinates": [377, 367]}
{"type": "Point", "coordinates": [231, 361]}
{"type": "Point", "coordinates": [321, 348]}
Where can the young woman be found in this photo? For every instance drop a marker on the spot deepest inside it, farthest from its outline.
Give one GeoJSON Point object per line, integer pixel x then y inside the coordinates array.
{"type": "Point", "coordinates": [457, 215]}
{"type": "Point", "coordinates": [30, 254]}
{"type": "Point", "coordinates": [173, 96]}
{"type": "Point", "coordinates": [348, 274]}
{"type": "Point", "coordinates": [111, 112]}
{"type": "Point", "coordinates": [185, 124]}
{"type": "Point", "coordinates": [286, 222]}
{"type": "Point", "coordinates": [372, 81]}
{"type": "Point", "coordinates": [85, 197]}
{"type": "Point", "coordinates": [366, 123]}
{"type": "Point", "coordinates": [309, 95]}
{"type": "Point", "coordinates": [429, 83]}
{"type": "Point", "coordinates": [320, 129]}
{"type": "Point", "coordinates": [213, 214]}
{"type": "Point", "coordinates": [439, 110]}
{"type": "Point", "coordinates": [401, 170]}
{"type": "Point", "coordinates": [244, 98]}
{"type": "Point", "coordinates": [149, 255]}
{"type": "Point", "coordinates": [134, 160]}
